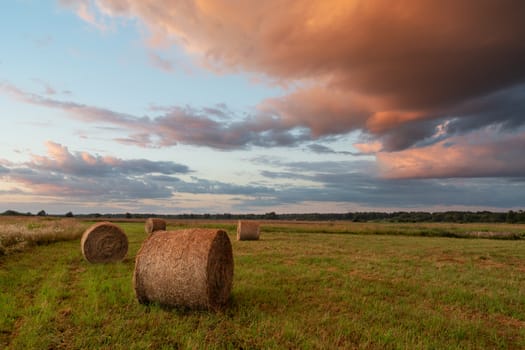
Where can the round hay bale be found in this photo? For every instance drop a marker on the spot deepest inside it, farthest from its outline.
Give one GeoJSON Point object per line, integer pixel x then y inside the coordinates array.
{"type": "Point", "coordinates": [247, 231]}
{"type": "Point", "coordinates": [190, 268]}
{"type": "Point", "coordinates": [154, 224]}
{"type": "Point", "coordinates": [104, 242]}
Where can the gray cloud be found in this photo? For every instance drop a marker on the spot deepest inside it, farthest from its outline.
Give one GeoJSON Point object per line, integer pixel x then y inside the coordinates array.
{"type": "Point", "coordinates": [322, 149]}
{"type": "Point", "coordinates": [335, 183]}
{"type": "Point", "coordinates": [65, 174]}
{"type": "Point", "coordinates": [292, 183]}
{"type": "Point", "coordinates": [216, 127]}
{"type": "Point", "coordinates": [81, 175]}
{"type": "Point", "coordinates": [203, 186]}
{"type": "Point", "coordinates": [83, 164]}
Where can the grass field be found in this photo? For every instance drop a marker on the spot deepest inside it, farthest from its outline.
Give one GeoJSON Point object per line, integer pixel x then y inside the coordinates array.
{"type": "Point", "coordinates": [303, 285]}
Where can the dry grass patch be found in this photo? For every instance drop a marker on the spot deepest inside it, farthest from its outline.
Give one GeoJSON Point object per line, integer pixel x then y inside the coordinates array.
{"type": "Point", "coordinates": [17, 234]}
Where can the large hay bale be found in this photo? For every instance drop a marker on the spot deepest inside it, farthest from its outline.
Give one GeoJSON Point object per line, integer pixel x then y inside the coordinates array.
{"type": "Point", "coordinates": [104, 242]}
{"type": "Point", "coordinates": [154, 224]}
{"type": "Point", "coordinates": [191, 268]}
{"type": "Point", "coordinates": [247, 231]}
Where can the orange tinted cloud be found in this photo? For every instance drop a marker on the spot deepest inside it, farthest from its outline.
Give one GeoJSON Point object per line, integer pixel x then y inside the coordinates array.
{"type": "Point", "coordinates": [416, 77]}
{"type": "Point", "coordinates": [479, 155]}
{"type": "Point", "coordinates": [414, 53]}
{"type": "Point", "coordinates": [322, 111]}
{"type": "Point", "coordinates": [415, 59]}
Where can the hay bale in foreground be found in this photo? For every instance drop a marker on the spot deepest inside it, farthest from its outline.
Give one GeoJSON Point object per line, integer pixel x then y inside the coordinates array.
{"type": "Point", "coordinates": [190, 268]}
{"type": "Point", "coordinates": [247, 231]}
{"type": "Point", "coordinates": [154, 224]}
{"type": "Point", "coordinates": [104, 242]}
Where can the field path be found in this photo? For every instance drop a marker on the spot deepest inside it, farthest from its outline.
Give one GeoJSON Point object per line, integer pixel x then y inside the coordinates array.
{"type": "Point", "coordinates": [35, 289]}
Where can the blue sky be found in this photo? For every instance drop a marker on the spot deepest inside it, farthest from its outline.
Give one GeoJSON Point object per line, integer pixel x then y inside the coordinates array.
{"type": "Point", "coordinates": [213, 106]}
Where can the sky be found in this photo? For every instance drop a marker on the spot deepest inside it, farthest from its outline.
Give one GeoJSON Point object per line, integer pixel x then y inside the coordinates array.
{"type": "Point", "coordinates": [225, 106]}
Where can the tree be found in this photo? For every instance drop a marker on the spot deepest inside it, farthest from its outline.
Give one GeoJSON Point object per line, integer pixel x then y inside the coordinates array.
{"type": "Point", "coordinates": [69, 214]}
{"type": "Point", "coordinates": [42, 213]}
{"type": "Point", "coordinates": [271, 215]}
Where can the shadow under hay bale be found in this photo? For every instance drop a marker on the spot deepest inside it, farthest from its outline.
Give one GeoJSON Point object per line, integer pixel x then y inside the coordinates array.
{"type": "Point", "coordinates": [154, 224]}
{"type": "Point", "coordinates": [248, 231]}
{"type": "Point", "coordinates": [190, 268]}
{"type": "Point", "coordinates": [104, 242]}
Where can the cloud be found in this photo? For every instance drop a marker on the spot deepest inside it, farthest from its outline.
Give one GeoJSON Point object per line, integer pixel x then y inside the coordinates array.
{"type": "Point", "coordinates": [74, 177]}
{"type": "Point", "coordinates": [161, 63]}
{"type": "Point", "coordinates": [407, 75]}
{"type": "Point", "coordinates": [321, 149]}
{"type": "Point", "coordinates": [81, 175]}
{"type": "Point", "coordinates": [354, 183]}
{"type": "Point", "coordinates": [202, 127]}
{"type": "Point", "coordinates": [61, 174]}
{"type": "Point", "coordinates": [368, 147]}
{"type": "Point", "coordinates": [413, 54]}
{"type": "Point", "coordinates": [85, 10]}
{"type": "Point", "coordinates": [84, 164]}
{"type": "Point", "coordinates": [480, 155]}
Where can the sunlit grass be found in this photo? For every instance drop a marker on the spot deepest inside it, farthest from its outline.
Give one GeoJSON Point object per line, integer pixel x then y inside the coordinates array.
{"type": "Point", "coordinates": [292, 289]}
{"type": "Point", "coordinates": [474, 230]}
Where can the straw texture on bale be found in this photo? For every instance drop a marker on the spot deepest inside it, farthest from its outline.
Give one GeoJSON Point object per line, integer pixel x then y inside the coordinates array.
{"type": "Point", "coordinates": [247, 231]}
{"type": "Point", "coordinates": [104, 242]}
{"type": "Point", "coordinates": [190, 268]}
{"type": "Point", "coordinates": [154, 224]}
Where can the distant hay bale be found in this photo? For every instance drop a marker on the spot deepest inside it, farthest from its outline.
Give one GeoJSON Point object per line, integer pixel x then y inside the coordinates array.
{"type": "Point", "coordinates": [104, 242]}
{"type": "Point", "coordinates": [247, 231]}
{"type": "Point", "coordinates": [190, 268]}
{"type": "Point", "coordinates": [154, 224]}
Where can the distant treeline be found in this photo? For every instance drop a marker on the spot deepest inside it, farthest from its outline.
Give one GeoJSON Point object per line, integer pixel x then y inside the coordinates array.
{"type": "Point", "coordinates": [400, 216]}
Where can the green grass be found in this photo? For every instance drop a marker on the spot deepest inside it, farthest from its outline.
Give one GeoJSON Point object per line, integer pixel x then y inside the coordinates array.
{"type": "Point", "coordinates": [294, 288]}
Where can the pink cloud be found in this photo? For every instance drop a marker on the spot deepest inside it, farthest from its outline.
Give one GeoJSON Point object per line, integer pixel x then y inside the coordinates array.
{"type": "Point", "coordinates": [482, 154]}
{"type": "Point", "coordinates": [85, 11]}
{"type": "Point", "coordinates": [369, 148]}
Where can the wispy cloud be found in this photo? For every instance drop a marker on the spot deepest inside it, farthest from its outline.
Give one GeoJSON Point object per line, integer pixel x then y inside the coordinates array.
{"type": "Point", "coordinates": [322, 149]}
{"type": "Point", "coordinates": [203, 127]}
{"type": "Point", "coordinates": [422, 149]}
{"type": "Point", "coordinates": [47, 89]}
{"type": "Point", "coordinates": [86, 11]}
{"type": "Point", "coordinates": [161, 63]}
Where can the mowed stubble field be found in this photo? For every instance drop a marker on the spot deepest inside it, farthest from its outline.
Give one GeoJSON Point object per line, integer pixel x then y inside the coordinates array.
{"type": "Point", "coordinates": [301, 286]}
